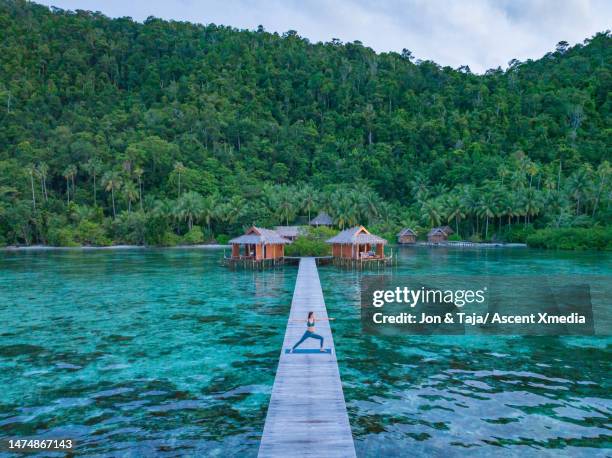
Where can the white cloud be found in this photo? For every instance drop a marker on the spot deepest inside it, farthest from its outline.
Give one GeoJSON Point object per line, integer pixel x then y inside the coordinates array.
{"type": "Point", "coordinates": [480, 33]}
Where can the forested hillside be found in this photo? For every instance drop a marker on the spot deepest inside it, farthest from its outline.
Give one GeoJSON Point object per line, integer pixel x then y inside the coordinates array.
{"type": "Point", "coordinates": [118, 131]}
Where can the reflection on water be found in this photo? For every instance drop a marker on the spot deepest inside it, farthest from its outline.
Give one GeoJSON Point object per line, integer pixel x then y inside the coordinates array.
{"type": "Point", "coordinates": [145, 352]}
{"type": "Point", "coordinates": [165, 353]}
{"type": "Point", "coordinates": [473, 395]}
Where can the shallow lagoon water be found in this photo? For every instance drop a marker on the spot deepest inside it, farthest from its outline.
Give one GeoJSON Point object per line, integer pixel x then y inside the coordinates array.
{"type": "Point", "coordinates": [164, 352]}
{"type": "Point", "coordinates": [473, 395]}
{"type": "Point", "coordinates": [139, 352]}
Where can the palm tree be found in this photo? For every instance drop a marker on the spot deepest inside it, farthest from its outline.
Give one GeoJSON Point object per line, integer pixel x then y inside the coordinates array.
{"type": "Point", "coordinates": [309, 199]}
{"type": "Point", "coordinates": [179, 168]}
{"type": "Point", "coordinates": [532, 203]}
{"type": "Point", "coordinates": [93, 166]}
{"type": "Point", "coordinates": [454, 210]}
{"type": "Point", "coordinates": [344, 212]}
{"type": "Point", "coordinates": [532, 170]}
{"type": "Point", "coordinates": [439, 189]}
{"type": "Point", "coordinates": [69, 173]}
{"type": "Point", "coordinates": [520, 200]}
{"type": "Point", "coordinates": [498, 193]}
{"type": "Point", "coordinates": [369, 204]}
{"type": "Point", "coordinates": [286, 204]}
{"type": "Point", "coordinates": [368, 115]}
{"type": "Point", "coordinates": [232, 210]}
{"type": "Point", "coordinates": [344, 207]}
{"type": "Point", "coordinates": [82, 212]}
{"type": "Point", "coordinates": [43, 171]}
{"type": "Point", "coordinates": [386, 214]}
{"type": "Point", "coordinates": [130, 192]}
{"type": "Point", "coordinates": [162, 209]}
{"type": "Point", "coordinates": [31, 170]}
{"type": "Point", "coordinates": [73, 173]}
{"type": "Point", "coordinates": [189, 207]}
{"type": "Point", "coordinates": [209, 209]}
{"type": "Point", "coordinates": [503, 171]}
{"type": "Point", "coordinates": [112, 182]}
{"type": "Point", "coordinates": [138, 172]}
{"type": "Point", "coordinates": [578, 185]}
{"type": "Point", "coordinates": [602, 176]}
{"type": "Point", "coordinates": [468, 195]}
{"type": "Point", "coordinates": [432, 211]}
{"type": "Point", "coordinates": [407, 220]}
{"type": "Point", "coordinates": [326, 202]}
{"type": "Point", "coordinates": [352, 203]}
{"type": "Point", "coordinates": [557, 205]}
{"type": "Point", "coordinates": [420, 188]}
{"type": "Point", "coordinates": [269, 198]}
{"type": "Point", "coordinates": [507, 206]}
{"type": "Point", "coordinates": [487, 210]}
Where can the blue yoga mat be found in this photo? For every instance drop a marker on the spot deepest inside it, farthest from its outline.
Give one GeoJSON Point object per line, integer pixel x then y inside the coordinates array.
{"type": "Point", "coordinates": [309, 350]}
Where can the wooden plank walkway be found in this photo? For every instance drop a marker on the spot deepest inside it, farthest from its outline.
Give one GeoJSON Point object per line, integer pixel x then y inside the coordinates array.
{"type": "Point", "coordinates": [307, 413]}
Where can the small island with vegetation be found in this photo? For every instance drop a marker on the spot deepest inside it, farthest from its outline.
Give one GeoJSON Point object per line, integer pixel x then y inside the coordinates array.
{"type": "Point", "coordinates": [163, 133]}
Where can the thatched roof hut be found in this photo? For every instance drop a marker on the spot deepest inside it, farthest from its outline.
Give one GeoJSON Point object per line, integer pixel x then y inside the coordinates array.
{"type": "Point", "coordinates": [406, 231]}
{"type": "Point", "coordinates": [258, 243]}
{"type": "Point", "coordinates": [354, 235]}
{"type": "Point", "coordinates": [406, 235]}
{"type": "Point", "coordinates": [322, 219]}
{"type": "Point", "coordinates": [435, 230]}
{"type": "Point", "coordinates": [357, 242]}
{"type": "Point", "coordinates": [289, 232]}
{"type": "Point", "coordinates": [438, 234]}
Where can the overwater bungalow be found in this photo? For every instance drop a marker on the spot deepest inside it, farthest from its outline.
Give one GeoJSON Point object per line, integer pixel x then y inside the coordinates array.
{"type": "Point", "coordinates": [406, 236]}
{"type": "Point", "coordinates": [257, 247]}
{"type": "Point", "coordinates": [439, 234]}
{"type": "Point", "coordinates": [322, 219]}
{"type": "Point", "coordinates": [355, 245]}
{"type": "Point", "coordinates": [289, 232]}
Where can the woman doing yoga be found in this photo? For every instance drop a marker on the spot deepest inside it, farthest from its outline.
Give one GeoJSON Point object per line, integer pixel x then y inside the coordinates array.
{"type": "Point", "coordinates": [310, 330]}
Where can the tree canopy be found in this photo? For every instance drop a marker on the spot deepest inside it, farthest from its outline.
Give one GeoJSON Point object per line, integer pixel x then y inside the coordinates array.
{"type": "Point", "coordinates": [144, 132]}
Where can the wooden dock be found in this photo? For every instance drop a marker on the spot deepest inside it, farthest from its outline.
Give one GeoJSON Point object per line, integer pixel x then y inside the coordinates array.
{"type": "Point", "coordinates": [307, 413]}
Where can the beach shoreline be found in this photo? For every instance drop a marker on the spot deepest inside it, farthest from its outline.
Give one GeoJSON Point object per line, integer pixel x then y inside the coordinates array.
{"type": "Point", "coordinates": [110, 247]}
{"type": "Point", "coordinates": [463, 244]}
{"type": "Point", "coordinates": [216, 246]}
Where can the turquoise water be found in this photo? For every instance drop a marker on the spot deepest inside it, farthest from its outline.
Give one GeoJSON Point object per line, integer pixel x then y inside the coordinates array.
{"type": "Point", "coordinates": [139, 352]}
{"type": "Point", "coordinates": [473, 395]}
{"type": "Point", "coordinates": [165, 353]}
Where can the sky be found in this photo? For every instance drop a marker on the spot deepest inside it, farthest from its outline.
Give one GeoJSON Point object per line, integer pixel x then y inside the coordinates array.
{"type": "Point", "coordinates": [482, 34]}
